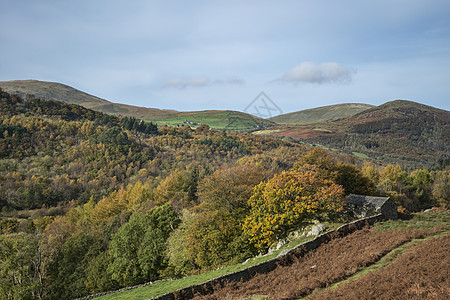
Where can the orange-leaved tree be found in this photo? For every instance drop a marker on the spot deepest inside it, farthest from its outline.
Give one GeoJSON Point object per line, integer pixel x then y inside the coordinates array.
{"type": "Point", "coordinates": [288, 201]}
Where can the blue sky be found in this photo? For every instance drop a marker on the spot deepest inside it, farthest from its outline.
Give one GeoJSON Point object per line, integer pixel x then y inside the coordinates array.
{"type": "Point", "coordinates": [197, 55]}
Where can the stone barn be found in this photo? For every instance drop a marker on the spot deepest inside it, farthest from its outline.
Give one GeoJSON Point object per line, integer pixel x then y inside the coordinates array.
{"type": "Point", "coordinates": [367, 206]}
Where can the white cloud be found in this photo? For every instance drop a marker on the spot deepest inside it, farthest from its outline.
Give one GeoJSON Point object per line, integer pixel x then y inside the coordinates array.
{"type": "Point", "coordinates": [230, 81]}
{"type": "Point", "coordinates": [329, 72]}
{"type": "Point", "coordinates": [198, 82]}
{"type": "Point", "coordinates": [182, 82]}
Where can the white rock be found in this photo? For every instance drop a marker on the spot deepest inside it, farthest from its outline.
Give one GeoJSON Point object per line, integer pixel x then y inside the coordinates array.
{"type": "Point", "coordinates": [316, 230]}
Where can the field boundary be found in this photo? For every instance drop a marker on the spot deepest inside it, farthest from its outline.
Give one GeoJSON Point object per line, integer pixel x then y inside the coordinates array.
{"type": "Point", "coordinates": [267, 266]}
{"type": "Point", "coordinates": [261, 268]}
{"type": "Point", "coordinates": [388, 258]}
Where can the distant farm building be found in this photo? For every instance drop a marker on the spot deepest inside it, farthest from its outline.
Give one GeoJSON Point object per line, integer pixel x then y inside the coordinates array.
{"type": "Point", "coordinates": [367, 206]}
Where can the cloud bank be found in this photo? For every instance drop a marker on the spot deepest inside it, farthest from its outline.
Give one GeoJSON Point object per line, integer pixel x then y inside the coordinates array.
{"type": "Point", "coordinates": [182, 82]}
{"type": "Point", "coordinates": [324, 73]}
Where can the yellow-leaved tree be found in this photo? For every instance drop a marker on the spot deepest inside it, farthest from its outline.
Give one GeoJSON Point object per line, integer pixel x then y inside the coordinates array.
{"type": "Point", "coordinates": [288, 201]}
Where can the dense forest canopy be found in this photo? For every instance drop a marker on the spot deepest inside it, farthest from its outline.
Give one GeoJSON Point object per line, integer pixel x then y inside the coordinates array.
{"type": "Point", "coordinates": [92, 202]}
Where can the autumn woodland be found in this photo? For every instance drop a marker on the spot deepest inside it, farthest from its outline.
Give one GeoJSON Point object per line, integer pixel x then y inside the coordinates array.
{"type": "Point", "coordinates": [92, 202]}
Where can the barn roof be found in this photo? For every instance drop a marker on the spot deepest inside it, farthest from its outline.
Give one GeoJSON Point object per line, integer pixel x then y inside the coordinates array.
{"type": "Point", "coordinates": [361, 200]}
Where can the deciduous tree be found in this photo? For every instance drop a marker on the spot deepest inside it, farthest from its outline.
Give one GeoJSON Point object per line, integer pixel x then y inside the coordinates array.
{"type": "Point", "coordinates": [138, 248]}
{"type": "Point", "coordinates": [289, 200]}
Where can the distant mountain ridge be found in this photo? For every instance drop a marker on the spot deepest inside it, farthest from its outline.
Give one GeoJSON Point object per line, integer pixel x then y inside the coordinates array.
{"type": "Point", "coordinates": [52, 90]}
{"type": "Point", "coordinates": [401, 107]}
{"type": "Point", "coordinates": [227, 119]}
{"type": "Point", "coordinates": [396, 131]}
{"type": "Point", "coordinates": [322, 114]}
{"type": "Point", "coordinates": [68, 94]}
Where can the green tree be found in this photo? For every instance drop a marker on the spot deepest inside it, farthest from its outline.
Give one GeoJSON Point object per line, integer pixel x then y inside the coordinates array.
{"type": "Point", "coordinates": [113, 136]}
{"type": "Point", "coordinates": [180, 261]}
{"type": "Point", "coordinates": [98, 279]}
{"type": "Point", "coordinates": [215, 238]}
{"type": "Point", "coordinates": [8, 225]}
{"type": "Point", "coordinates": [421, 186]}
{"type": "Point", "coordinates": [69, 271]}
{"type": "Point", "coordinates": [19, 267]}
{"type": "Point", "coordinates": [352, 180]}
{"type": "Point", "coordinates": [441, 188]}
{"type": "Point", "coordinates": [138, 248]}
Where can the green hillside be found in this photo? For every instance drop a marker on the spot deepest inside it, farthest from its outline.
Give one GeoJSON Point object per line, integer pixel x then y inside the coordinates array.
{"type": "Point", "coordinates": [231, 120]}
{"type": "Point", "coordinates": [322, 114]}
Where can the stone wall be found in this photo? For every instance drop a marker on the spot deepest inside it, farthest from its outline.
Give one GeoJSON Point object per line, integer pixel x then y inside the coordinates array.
{"type": "Point", "coordinates": [264, 267]}
{"type": "Point", "coordinates": [389, 210]}
{"type": "Point", "coordinates": [270, 265]}
{"type": "Point", "coordinates": [116, 291]}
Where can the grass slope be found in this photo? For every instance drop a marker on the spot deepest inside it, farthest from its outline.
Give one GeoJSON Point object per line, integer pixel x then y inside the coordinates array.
{"type": "Point", "coordinates": [162, 287]}
{"type": "Point", "coordinates": [330, 263]}
{"type": "Point", "coordinates": [415, 273]}
{"type": "Point", "coordinates": [388, 258]}
{"type": "Point", "coordinates": [231, 120]}
{"type": "Point", "coordinates": [322, 114]}
{"type": "Point", "coordinates": [52, 90]}
{"type": "Point", "coordinates": [354, 254]}
{"type": "Point", "coordinates": [65, 93]}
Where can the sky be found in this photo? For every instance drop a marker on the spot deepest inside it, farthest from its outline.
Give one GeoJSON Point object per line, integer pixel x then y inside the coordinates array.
{"type": "Point", "coordinates": [199, 55]}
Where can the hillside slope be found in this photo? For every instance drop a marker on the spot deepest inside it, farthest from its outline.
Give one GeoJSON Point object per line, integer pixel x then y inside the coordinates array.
{"type": "Point", "coordinates": [231, 120]}
{"type": "Point", "coordinates": [322, 114]}
{"type": "Point", "coordinates": [397, 131]}
{"type": "Point", "coordinates": [90, 146]}
{"type": "Point", "coordinates": [332, 262]}
{"type": "Point", "coordinates": [52, 90]}
{"type": "Point", "coordinates": [68, 94]}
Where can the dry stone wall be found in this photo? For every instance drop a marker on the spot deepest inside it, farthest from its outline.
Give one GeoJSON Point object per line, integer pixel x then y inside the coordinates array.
{"type": "Point", "coordinates": [270, 265]}
{"type": "Point", "coordinates": [262, 268]}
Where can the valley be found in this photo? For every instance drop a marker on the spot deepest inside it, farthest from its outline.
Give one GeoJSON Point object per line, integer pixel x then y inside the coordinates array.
{"type": "Point", "coordinates": [91, 202]}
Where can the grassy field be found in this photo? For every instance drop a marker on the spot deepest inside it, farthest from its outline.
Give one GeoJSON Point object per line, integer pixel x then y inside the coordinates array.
{"type": "Point", "coordinates": [267, 131]}
{"type": "Point", "coordinates": [362, 155]}
{"type": "Point", "coordinates": [229, 120]}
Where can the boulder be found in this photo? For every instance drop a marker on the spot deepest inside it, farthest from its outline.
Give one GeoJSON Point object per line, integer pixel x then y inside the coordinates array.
{"type": "Point", "coordinates": [316, 230]}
